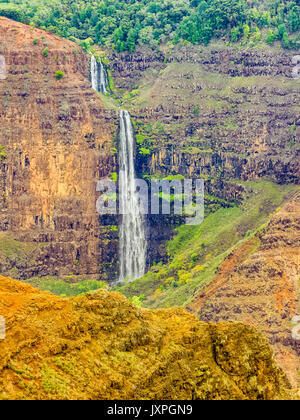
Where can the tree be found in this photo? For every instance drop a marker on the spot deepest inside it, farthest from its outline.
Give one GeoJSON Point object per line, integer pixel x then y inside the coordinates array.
{"type": "Point", "coordinates": [294, 19]}
{"type": "Point", "coordinates": [46, 52]}
{"type": "Point", "coordinates": [270, 37]}
{"type": "Point", "coordinates": [131, 39]}
{"type": "Point", "coordinates": [118, 35]}
{"type": "Point", "coordinates": [146, 36]}
{"type": "Point", "coordinates": [281, 31]}
{"type": "Point", "coordinates": [59, 74]}
{"type": "Point", "coordinates": [246, 31]}
{"type": "Point", "coordinates": [11, 11]}
{"type": "Point", "coordinates": [235, 34]}
{"type": "Point", "coordinates": [285, 41]}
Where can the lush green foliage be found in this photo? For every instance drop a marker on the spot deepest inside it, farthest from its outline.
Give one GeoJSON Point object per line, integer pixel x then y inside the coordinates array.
{"type": "Point", "coordinates": [122, 24]}
{"type": "Point", "coordinates": [3, 155]}
{"type": "Point", "coordinates": [197, 252]}
{"type": "Point", "coordinates": [59, 74]}
{"type": "Point", "coordinates": [64, 288]}
{"type": "Point", "coordinates": [12, 11]}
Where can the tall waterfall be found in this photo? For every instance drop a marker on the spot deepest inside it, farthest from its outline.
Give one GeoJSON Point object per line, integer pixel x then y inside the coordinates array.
{"type": "Point", "coordinates": [132, 233]}
{"type": "Point", "coordinates": [98, 76]}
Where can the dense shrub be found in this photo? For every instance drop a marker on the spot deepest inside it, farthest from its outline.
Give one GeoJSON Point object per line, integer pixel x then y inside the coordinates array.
{"type": "Point", "coordinates": [12, 11]}
{"type": "Point", "coordinates": [59, 74]}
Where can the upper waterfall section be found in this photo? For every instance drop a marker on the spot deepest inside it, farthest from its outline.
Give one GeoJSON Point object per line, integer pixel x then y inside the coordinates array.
{"type": "Point", "coordinates": [99, 76]}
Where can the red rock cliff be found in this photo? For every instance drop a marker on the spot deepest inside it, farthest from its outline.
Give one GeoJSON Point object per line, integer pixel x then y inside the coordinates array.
{"type": "Point", "coordinates": [57, 138]}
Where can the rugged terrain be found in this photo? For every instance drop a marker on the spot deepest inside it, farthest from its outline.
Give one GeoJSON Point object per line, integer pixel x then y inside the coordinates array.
{"type": "Point", "coordinates": [227, 114]}
{"type": "Point", "coordinates": [218, 112]}
{"type": "Point", "coordinates": [250, 277]}
{"type": "Point", "coordinates": [99, 346]}
{"type": "Point", "coordinates": [57, 138]}
{"type": "Point", "coordinates": [221, 113]}
{"type": "Point", "coordinates": [258, 284]}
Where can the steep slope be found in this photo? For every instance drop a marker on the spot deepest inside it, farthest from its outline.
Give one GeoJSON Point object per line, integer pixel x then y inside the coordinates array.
{"type": "Point", "coordinates": [222, 113]}
{"type": "Point", "coordinates": [56, 135]}
{"type": "Point", "coordinates": [197, 252]}
{"type": "Point", "coordinates": [216, 112]}
{"type": "Point", "coordinates": [260, 286]}
{"type": "Point", "coordinates": [99, 346]}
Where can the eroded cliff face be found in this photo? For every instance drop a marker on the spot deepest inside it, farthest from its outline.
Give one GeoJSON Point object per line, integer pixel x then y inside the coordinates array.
{"type": "Point", "coordinates": [57, 136]}
{"type": "Point", "coordinates": [99, 346]}
{"type": "Point", "coordinates": [258, 284]}
{"type": "Point", "coordinates": [216, 112]}
{"type": "Point", "coordinates": [219, 113]}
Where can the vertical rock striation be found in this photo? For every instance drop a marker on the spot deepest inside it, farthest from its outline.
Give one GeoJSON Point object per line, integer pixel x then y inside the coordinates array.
{"type": "Point", "coordinates": [261, 288]}
{"type": "Point", "coordinates": [57, 136]}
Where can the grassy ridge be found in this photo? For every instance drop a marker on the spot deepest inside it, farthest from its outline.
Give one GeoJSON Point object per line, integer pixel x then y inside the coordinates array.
{"type": "Point", "coordinates": [197, 251]}
{"type": "Point", "coordinates": [69, 286]}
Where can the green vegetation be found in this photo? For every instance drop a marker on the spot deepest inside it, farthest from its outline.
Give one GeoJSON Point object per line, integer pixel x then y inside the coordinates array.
{"type": "Point", "coordinates": [114, 176]}
{"type": "Point", "coordinates": [124, 24]}
{"type": "Point", "coordinates": [52, 382]}
{"type": "Point", "coordinates": [196, 252]}
{"type": "Point", "coordinates": [66, 288]}
{"type": "Point", "coordinates": [3, 155]}
{"type": "Point", "coordinates": [173, 177]}
{"type": "Point", "coordinates": [9, 247]}
{"type": "Point", "coordinates": [45, 52]}
{"type": "Point", "coordinates": [12, 11]}
{"type": "Point", "coordinates": [144, 152]}
{"type": "Point", "coordinates": [137, 300]}
{"type": "Point", "coordinates": [59, 74]}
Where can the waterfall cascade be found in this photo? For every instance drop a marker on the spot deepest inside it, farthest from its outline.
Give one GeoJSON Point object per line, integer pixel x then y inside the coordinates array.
{"type": "Point", "coordinates": [132, 234]}
{"type": "Point", "coordinates": [99, 77]}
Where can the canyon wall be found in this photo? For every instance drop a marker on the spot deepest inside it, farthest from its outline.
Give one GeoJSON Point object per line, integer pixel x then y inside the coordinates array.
{"type": "Point", "coordinates": [217, 112]}
{"type": "Point", "coordinates": [220, 113]}
{"type": "Point", "coordinates": [57, 139]}
{"type": "Point", "coordinates": [224, 114]}
{"type": "Point", "coordinates": [228, 115]}
{"type": "Point", "coordinates": [258, 284]}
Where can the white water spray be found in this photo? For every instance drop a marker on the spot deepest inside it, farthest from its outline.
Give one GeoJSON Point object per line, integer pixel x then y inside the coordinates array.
{"type": "Point", "coordinates": [99, 77]}
{"type": "Point", "coordinates": [132, 234]}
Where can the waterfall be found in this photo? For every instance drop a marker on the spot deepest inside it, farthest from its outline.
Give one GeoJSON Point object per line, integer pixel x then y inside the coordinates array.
{"type": "Point", "coordinates": [132, 234]}
{"type": "Point", "coordinates": [99, 77]}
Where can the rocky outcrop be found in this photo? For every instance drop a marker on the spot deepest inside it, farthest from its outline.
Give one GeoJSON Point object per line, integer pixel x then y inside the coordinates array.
{"type": "Point", "coordinates": [215, 112]}
{"type": "Point", "coordinates": [99, 346]}
{"type": "Point", "coordinates": [259, 285]}
{"type": "Point", "coordinates": [57, 137]}
{"type": "Point", "coordinates": [218, 113]}
{"type": "Point", "coordinates": [233, 61]}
